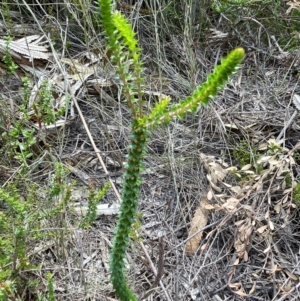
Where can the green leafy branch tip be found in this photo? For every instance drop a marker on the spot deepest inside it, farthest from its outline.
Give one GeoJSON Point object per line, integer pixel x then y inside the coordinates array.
{"type": "Point", "coordinates": [125, 54]}
{"type": "Point", "coordinates": [127, 36]}
{"type": "Point", "coordinates": [106, 17]}
{"type": "Point", "coordinates": [161, 114]}
{"type": "Point", "coordinates": [127, 33]}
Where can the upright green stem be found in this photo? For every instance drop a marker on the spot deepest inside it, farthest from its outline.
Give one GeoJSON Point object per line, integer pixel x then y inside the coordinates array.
{"type": "Point", "coordinates": [126, 53]}
{"type": "Point", "coordinates": [130, 195]}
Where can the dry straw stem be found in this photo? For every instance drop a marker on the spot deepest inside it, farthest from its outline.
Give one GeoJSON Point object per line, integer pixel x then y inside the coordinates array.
{"type": "Point", "coordinates": [199, 221]}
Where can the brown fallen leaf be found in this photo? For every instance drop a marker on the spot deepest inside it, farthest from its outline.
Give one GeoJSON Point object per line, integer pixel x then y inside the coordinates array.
{"type": "Point", "coordinates": [291, 275]}
{"type": "Point", "coordinates": [240, 293]}
{"type": "Point", "coordinates": [252, 289]}
{"type": "Point", "coordinates": [198, 222]}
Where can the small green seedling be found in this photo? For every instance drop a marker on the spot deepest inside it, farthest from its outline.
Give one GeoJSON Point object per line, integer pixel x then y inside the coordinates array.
{"type": "Point", "coordinates": [296, 195]}
{"type": "Point", "coordinates": [245, 154]}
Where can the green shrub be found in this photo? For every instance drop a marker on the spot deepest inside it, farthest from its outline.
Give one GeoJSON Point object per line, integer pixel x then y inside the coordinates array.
{"type": "Point", "coordinates": [296, 195]}
{"type": "Point", "coordinates": [25, 206]}
{"type": "Point", "coordinates": [126, 57]}
{"type": "Point", "coordinates": [245, 154]}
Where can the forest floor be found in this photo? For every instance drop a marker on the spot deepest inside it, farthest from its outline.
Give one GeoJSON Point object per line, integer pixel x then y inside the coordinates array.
{"type": "Point", "coordinates": [227, 175]}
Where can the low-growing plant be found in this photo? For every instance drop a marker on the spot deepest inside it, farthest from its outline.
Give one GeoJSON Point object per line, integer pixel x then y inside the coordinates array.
{"type": "Point", "coordinates": [20, 221]}
{"type": "Point", "coordinates": [245, 154]}
{"type": "Point", "coordinates": [50, 284]}
{"type": "Point", "coordinates": [221, 6]}
{"type": "Point", "coordinates": [296, 195]}
{"type": "Point", "coordinates": [25, 205]}
{"type": "Point", "coordinates": [123, 45]}
{"type": "Point", "coordinates": [43, 107]}
{"type": "Point", "coordinates": [7, 290]}
{"type": "Point", "coordinates": [7, 58]}
{"type": "Point", "coordinates": [93, 200]}
{"type": "Point", "coordinates": [274, 148]}
{"type": "Point", "coordinates": [6, 16]}
{"type": "Point", "coordinates": [22, 218]}
{"type": "Point", "coordinates": [288, 179]}
{"type": "Point", "coordinates": [270, 14]}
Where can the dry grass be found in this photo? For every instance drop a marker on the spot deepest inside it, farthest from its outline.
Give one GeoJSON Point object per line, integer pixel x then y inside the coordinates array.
{"type": "Point", "coordinates": [249, 250]}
